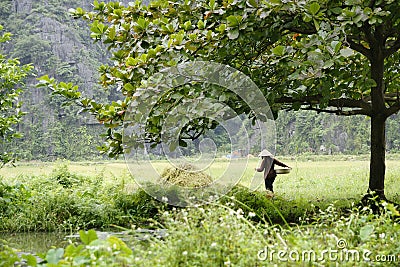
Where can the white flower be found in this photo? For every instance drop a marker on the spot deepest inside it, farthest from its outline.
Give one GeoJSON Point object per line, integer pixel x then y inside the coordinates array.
{"type": "Point", "coordinates": [252, 214]}
{"type": "Point", "coordinates": [213, 244]}
{"type": "Point", "coordinates": [239, 213]}
{"type": "Point", "coordinates": [184, 253]}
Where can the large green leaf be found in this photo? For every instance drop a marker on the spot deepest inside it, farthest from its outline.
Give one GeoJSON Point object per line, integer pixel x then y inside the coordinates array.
{"type": "Point", "coordinates": [346, 52]}
{"type": "Point", "coordinates": [279, 50]}
{"type": "Point", "coordinates": [234, 21]}
{"type": "Point", "coordinates": [366, 232]}
{"type": "Point", "coordinates": [314, 8]}
{"type": "Point", "coordinates": [53, 256]}
{"type": "Point", "coordinates": [88, 237]}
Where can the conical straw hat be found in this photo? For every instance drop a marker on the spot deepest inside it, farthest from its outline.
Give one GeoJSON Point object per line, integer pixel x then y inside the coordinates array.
{"type": "Point", "coordinates": [265, 153]}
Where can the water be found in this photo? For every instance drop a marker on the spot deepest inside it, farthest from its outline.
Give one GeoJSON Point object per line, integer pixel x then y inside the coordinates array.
{"type": "Point", "coordinates": [34, 242]}
{"type": "Point", "coordinates": [41, 242]}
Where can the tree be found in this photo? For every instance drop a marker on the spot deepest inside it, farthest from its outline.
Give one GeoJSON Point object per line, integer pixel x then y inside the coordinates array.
{"type": "Point", "coordinates": [11, 77]}
{"type": "Point", "coordinates": [330, 56]}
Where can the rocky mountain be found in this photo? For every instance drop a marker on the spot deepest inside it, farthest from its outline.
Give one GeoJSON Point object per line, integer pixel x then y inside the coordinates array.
{"type": "Point", "coordinates": [45, 36]}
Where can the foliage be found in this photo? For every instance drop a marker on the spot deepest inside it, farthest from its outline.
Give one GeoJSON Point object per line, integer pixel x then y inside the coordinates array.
{"type": "Point", "coordinates": [8, 257]}
{"type": "Point", "coordinates": [62, 176]}
{"type": "Point", "coordinates": [46, 51]}
{"type": "Point", "coordinates": [65, 201]}
{"type": "Point", "coordinates": [232, 230]}
{"type": "Point", "coordinates": [304, 132]}
{"type": "Point", "coordinates": [279, 211]}
{"type": "Point", "coordinates": [275, 36]}
{"type": "Point", "coordinates": [12, 74]}
{"type": "Point", "coordinates": [12, 198]}
{"type": "Point", "coordinates": [139, 207]}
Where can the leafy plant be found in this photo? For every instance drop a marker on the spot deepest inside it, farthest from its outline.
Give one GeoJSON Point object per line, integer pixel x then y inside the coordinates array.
{"type": "Point", "coordinates": [62, 175]}
{"type": "Point", "coordinates": [12, 74]}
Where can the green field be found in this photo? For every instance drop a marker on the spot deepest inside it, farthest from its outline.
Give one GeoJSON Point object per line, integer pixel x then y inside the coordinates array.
{"type": "Point", "coordinates": [315, 179]}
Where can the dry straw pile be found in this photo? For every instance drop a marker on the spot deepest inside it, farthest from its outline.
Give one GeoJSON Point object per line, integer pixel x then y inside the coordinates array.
{"type": "Point", "coordinates": [185, 175]}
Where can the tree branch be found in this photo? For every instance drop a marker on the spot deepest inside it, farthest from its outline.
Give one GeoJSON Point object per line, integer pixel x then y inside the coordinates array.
{"type": "Point", "coordinates": [396, 46]}
{"type": "Point", "coordinates": [372, 3]}
{"type": "Point", "coordinates": [360, 106]}
{"type": "Point", "coordinates": [359, 47]}
{"type": "Point", "coordinates": [262, 48]}
{"type": "Point", "coordinates": [338, 112]}
{"type": "Point", "coordinates": [350, 103]}
{"type": "Point", "coordinates": [302, 30]}
{"type": "Point", "coordinates": [392, 109]}
{"type": "Point", "coordinates": [366, 28]}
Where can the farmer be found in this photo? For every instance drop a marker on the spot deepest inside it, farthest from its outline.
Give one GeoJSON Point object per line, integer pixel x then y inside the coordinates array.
{"type": "Point", "coordinates": [268, 166]}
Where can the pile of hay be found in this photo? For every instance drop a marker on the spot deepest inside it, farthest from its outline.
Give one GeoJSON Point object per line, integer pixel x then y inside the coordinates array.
{"type": "Point", "coordinates": [185, 175]}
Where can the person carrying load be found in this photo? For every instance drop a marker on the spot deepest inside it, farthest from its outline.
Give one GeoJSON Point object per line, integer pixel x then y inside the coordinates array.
{"type": "Point", "coordinates": [268, 166]}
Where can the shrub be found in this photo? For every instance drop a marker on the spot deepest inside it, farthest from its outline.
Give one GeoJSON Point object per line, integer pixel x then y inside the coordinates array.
{"type": "Point", "coordinates": [62, 175]}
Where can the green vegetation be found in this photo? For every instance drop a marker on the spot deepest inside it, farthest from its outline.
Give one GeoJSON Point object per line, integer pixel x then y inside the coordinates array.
{"type": "Point", "coordinates": [226, 236]}
{"type": "Point", "coordinates": [45, 36]}
{"type": "Point", "coordinates": [12, 76]}
{"type": "Point", "coordinates": [231, 231]}
{"type": "Point", "coordinates": [66, 199]}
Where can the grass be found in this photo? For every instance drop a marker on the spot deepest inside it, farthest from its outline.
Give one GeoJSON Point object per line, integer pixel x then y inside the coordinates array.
{"type": "Point", "coordinates": [109, 169]}
{"type": "Point", "coordinates": [313, 178]}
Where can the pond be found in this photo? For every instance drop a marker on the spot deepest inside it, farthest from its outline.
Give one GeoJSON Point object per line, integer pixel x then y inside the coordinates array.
{"type": "Point", "coordinates": [41, 242]}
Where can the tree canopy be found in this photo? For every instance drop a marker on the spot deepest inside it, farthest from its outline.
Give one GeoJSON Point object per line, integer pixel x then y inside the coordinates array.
{"type": "Point", "coordinates": [330, 56]}
{"type": "Point", "coordinates": [12, 75]}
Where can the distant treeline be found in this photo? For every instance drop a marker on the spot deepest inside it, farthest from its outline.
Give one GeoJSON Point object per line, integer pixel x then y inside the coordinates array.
{"type": "Point", "coordinates": [307, 131]}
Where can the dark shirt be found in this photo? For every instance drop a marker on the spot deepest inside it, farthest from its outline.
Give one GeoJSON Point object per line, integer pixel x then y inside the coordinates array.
{"type": "Point", "coordinates": [268, 166]}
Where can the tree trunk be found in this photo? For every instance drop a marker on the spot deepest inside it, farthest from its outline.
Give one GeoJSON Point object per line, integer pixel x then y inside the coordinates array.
{"type": "Point", "coordinates": [378, 120]}
{"type": "Point", "coordinates": [377, 161]}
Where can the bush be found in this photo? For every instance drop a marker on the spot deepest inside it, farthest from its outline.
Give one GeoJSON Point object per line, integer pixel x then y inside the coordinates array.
{"type": "Point", "coordinates": [12, 198]}
{"type": "Point", "coordinates": [274, 211]}
{"type": "Point", "coordinates": [139, 207]}
{"type": "Point", "coordinates": [62, 175]}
